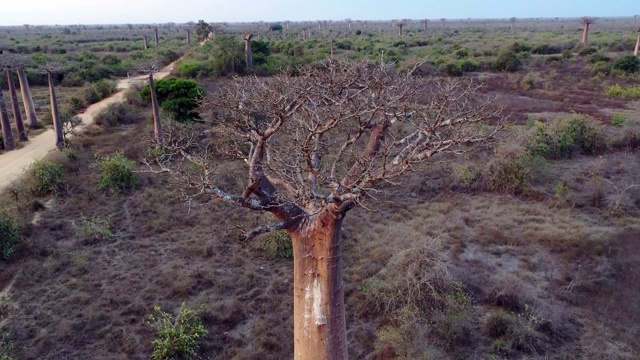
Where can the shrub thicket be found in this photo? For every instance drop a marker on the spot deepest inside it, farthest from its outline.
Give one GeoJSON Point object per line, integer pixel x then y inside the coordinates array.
{"type": "Point", "coordinates": [116, 174]}
{"type": "Point", "coordinates": [507, 61]}
{"type": "Point", "coordinates": [48, 177]}
{"type": "Point", "coordinates": [177, 96]}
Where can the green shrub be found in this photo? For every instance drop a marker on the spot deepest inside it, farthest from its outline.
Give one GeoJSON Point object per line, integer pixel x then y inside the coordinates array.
{"type": "Point", "coordinates": [507, 61]}
{"type": "Point", "coordinates": [177, 336]}
{"type": "Point", "coordinates": [117, 173]}
{"type": "Point", "coordinates": [278, 245]}
{"type": "Point", "coordinates": [509, 175]}
{"type": "Point", "coordinates": [9, 236]}
{"type": "Point", "coordinates": [6, 347]}
{"type": "Point", "coordinates": [554, 59]}
{"type": "Point", "coordinates": [617, 91]}
{"type": "Point", "coordinates": [563, 138]}
{"type": "Point", "coordinates": [179, 97]}
{"type": "Point", "coordinates": [628, 64]}
{"type": "Point", "coordinates": [618, 119]}
{"type": "Point", "coordinates": [113, 115]}
{"type": "Point", "coordinates": [597, 57]}
{"type": "Point", "coordinates": [587, 51]}
{"type": "Point", "coordinates": [545, 49]}
{"type": "Point", "coordinates": [48, 177]}
{"type": "Point", "coordinates": [104, 88]}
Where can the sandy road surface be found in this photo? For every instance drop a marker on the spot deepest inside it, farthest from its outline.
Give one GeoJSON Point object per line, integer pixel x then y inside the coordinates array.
{"type": "Point", "coordinates": [14, 164]}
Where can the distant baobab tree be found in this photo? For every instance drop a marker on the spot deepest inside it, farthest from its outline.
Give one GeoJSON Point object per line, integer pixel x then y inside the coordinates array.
{"type": "Point", "coordinates": [25, 90]}
{"type": "Point", "coordinates": [442, 21]}
{"type": "Point", "coordinates": [247, 49]}
{"type": "Point", "coordinates": [513, 23]}
{"type": "Point", "coordinates": [9, 62]}
{"type": "Point", "coordinates": [51, 69]}
{"type": "Point", "coordinates": [637, 50]}
{"type": "Point", "coordinates": [635, 19]}
{"type": "Point", "coordinates": [145, 42]}
{"type": "Point", "coordinates": [365, 24]}
{"type": "Point", "coordinates": [27, 26]}
{"type": "Point", "coordinates": [286, 24]}
{"type": "Point", "coordinates": [586, 22]}
{"type": "Point", "coordinates": [348, 21]}
{"type": "Point", "coordinates": [424, 22]}
{"type": "Point", "coordinates": [150, 70]}
{"type": "Point", "coordinates": [155, 33]}
{"type": "Point", "coordinates": [400, 25]}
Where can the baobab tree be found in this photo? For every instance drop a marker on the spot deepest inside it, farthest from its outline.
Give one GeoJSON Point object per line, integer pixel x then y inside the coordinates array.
{"type": "Point", "coordinates": [50, 70]}
{"type": "Point", "coordinates": [9, 63]}
{"type": "Point", "coordinates": [513, 23]}
{"type": "Point", "coordinates": [348, 22]}
{"type": "Point", "coordinates": [586, 22]}
{"type": "Point", "coordinates": [7, 133]}
{"type": "Point", "coordinates": [247, 50]}
{"type": "Point", "coordinates": [637, 50]}
{"type": "Point", "coordinates": [317, 145]}
{"type": "Point", "coordinates": [424, 24]}
{"type": "Point", "coordinates": [150, 70]}
{"type": "Point", "coordinates": [27, 99]}
{"type": "Point", "coordinates": [442, 21]}
{"type": "Point", "coordinates": [400, 25]}
{"type": "Point", "coordinates": [27, 26]}
{"type": "Point", "coordinates": [155, 33]}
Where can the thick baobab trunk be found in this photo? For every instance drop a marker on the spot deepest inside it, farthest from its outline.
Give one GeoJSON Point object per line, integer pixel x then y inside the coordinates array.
{"type": "Point", "coordinates": [637, 50]}
{"type": "Point", "coordinates": [55, 114]}
{"type": "Point", "coordinates": [155, 31]}
{"type": "Point", "coordinates": [146, 42]}
{"type": "Point", "coordinates": [247, 50]}
{"type": "Point", "coordinates": [585, 33]}
{"type": "Point", "coordinates": [157, 124]}
{"type": "Point", "coordinates": [15, 106]}
{"type": "Point", "coordinates": [332, 48]}
{"type": "Point", "coordinates": [318, 306]}
{"type": "Point", "coordinates": [188, 37]}
{"type": "Point", "coordinates": [7, 134]}
{"type": "Point", "coordinates": [400, 26]}
{"type": "Point", "coordinates": [27, 99]}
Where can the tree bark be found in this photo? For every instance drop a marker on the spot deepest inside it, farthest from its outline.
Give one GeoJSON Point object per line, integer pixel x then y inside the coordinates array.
{"type": "Point", "coordinates": [55, 114]}
{"type": "Point", "coordinates": [188, 37]}
{"type": "Point", "coordinates": [146, 43]}
{"type": "Point", "coordinates": [15, 106]}
{"type": "Point", "coordinates": [156, 35]}
{"type": "Point", "coordinates": [637, 50]}
{"type": "Point", "coordinates": [7, 134]}
{"type": "Point", "coordinates": [318, 306]}
{"type": "Point", "coordinates": [27, 99]}
{"type": "Point", "coordinates": [247, 50]}
{"type": "Point", "coordinates": [157, 124]}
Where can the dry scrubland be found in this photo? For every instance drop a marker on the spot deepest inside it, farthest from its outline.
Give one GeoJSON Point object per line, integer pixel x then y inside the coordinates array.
{"type": "Point", "coordinates": [528, 249]}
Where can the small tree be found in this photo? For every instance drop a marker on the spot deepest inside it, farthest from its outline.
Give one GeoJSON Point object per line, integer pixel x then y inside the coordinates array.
{"type": "Point", "coordinates": [586, 22]}
{"type": "Point", "coordinates": [179, 97]}
{"type": "Point", "coordinates": [315, 146]}
{"type": "Point", "coordinates": [203, 30]}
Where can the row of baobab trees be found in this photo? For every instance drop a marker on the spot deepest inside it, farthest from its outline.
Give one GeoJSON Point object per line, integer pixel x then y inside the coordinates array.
{"type": "Point", "coordinates": [19, 64]}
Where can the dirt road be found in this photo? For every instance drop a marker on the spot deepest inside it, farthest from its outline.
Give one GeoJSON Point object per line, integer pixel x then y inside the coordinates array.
{"type": "Point", "coordinates": [14, 164]}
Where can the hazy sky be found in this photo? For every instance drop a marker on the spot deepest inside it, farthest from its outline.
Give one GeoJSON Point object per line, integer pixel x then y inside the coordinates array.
{"type": "Point", "coordinates": [19, 12]}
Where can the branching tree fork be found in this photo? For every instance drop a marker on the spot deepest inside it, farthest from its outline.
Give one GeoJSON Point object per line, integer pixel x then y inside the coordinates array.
{"type": "Point", "coordinates": [315, 146]}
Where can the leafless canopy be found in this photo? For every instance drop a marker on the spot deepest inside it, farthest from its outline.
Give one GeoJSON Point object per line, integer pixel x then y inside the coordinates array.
{"type": "Point", "coordinates": [52, 68]}
{"type": "Point", "coordinates": [325, 138]}
{"type": "Point", "coordinates": [12, 61]}
{"type": "Point", "coordinates": [587, 20]}
{"type": "Point", "coordinates": [149, 68]}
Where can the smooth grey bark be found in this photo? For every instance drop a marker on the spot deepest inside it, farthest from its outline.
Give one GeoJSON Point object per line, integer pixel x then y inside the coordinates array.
{"type": "Point", "coordinates": [146, 43]}
{"type": "Point", "coordinates": [15, 106]}
{"type": "Point", "coordinates": [27, 99]}
{"type": "Point", "coordinates": [55, 113]}
{"type": "Point", "coordinates": [637, 50]}
{"type": "Point", "coordinates": [7, 134]}
{"type": "Point", "coordinates": [157, 124]}
{"type": "Point", "coordinates": [188, 37]}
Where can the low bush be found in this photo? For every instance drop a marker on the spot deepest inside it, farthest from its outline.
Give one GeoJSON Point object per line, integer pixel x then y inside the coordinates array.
{"type": "Point", "coordinates": [617, 91]}
{"type": "Point", "coordinates": [178, 335]}
{"type": "Point", "coordinates": [628, 64]}
{"type": "Point", "coordinates": [116, 174]}
{"type": "Point", "coordinates": [566, 137]}
{"type": "Point", "coordinates": [9, 237]}
{"type": "Point", "coordinates": [113, 115]}
{"type": "Point", "coordinates": [587, 51]}
{"type": "Point", "coordinates": [507, 61]}
{"type": "Point", "coordinates": [48, 177]}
